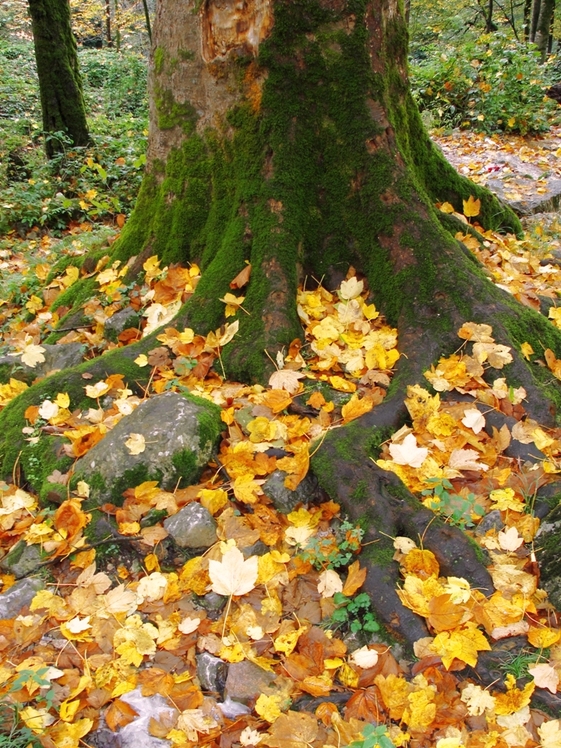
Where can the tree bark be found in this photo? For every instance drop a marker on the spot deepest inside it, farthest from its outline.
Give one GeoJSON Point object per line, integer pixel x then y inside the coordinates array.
{"type": "Point", "coordinates": [543, 27]}
{"type": "Point", "coordinates": [283, 133]}
{"type": "Point", "coordinates": [60, 85]}
{"type": "Point", "coordinates": [536, 9]}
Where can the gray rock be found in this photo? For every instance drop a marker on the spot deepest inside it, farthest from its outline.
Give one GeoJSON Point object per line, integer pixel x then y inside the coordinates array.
{"type": "Point", "coordinates": [548, 541]}
{"type": "Point", "coordinates": [19, 595]}
{"type": "Point", "coordinates": [246, 681]}
{"type": "Point", "coordinates": [57, 357]}
{"type": "Point", "coordinates": [120, 321]}
{"type": "Point", "coordinates": [136, 734]}
{"type": "Point", "coordinates": [22, 560]}
{"type": "Point", "coordinates": [491, 521]}
{"type": "Point", "coordinates": [179, 433]}
{"type": "Point", "coordinates": [533, 202]}
{"type": "Point", "coordinates": [211, 672]}
{"type": "Point", "coordinates": [212, 602]}
{"type": "Point", "coordinates": [192, 527]}
{"type": "Point", "coordinates": [283, 498]}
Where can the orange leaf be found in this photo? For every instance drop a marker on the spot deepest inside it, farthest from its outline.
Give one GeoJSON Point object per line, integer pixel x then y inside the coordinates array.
{"type": "Point", "coordinates": [119, 714]}
{"type": "Point", "coordinates": [242, 277]}
{"type": "Point", "coordinates": [445, 615]}
{"type": "Point", "coordinates": [422, 564]}
{"type": "Point", "coordinates": [356, 408]}
{"type": "Point", "coordinates": [70, 517]}
{"type": "Point", "coordinates": [355, 579]}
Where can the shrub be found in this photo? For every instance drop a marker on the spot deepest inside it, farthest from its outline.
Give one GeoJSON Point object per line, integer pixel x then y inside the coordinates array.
{"type": "Point", "coordinates": [491, 84]}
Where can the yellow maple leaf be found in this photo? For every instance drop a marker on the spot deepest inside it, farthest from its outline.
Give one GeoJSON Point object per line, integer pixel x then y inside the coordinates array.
{"type": "Point", "coordinates": [526, 350]}
{"type": "Point", "coordinates": [472, 207]}
{"type": "Point", "coordinates": [356, 407]}
{"type": "Point", "coordinates": [269, 707]}
{"type": "Point", "coordinates": [514, 698]}
{"type": "Point", "coordinates": [461, 644]}
{"type": "Point", "coordinates": [543, 637]}
{"type": "Point", "coordinates": [213, 499]}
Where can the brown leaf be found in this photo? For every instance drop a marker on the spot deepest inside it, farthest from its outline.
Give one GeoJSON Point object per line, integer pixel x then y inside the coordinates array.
{"type": "Point", "coordinates": [355, 579]}
{"type": "Point", "coordinates": [366, 704]}
{"type": "Point", "coordinates": [119, 714]}
{"type": "Point", "coordinates": [241, 278]}
{"type": "Point", "coordinates": [155, 680]}
{"type": "Point", "coordinates": [292, 730]}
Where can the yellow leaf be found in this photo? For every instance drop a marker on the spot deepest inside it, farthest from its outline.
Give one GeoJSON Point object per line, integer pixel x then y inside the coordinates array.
{"type": "Point", "coordinates": [141, 360]}
{"type": "Point", "coordinates": [526, 350]}
{"type": "Point", "coordinates": [68, 709]}
{"type": "Point", "coordinates": [287, 642]}
{"type": "Point", "coordinates": [356, 408]}
{"type": "Point", "coordinates": [233, 575]}
{"type": "Point", "coordinates": [472, 207]}
{"type": "Point", "coordinates": [543, 637]}
{"type": "Point", "coordinates": [461, 644]}
{"type": "Point", "coordinates": [213, 500]}
{"type": "Point", "coordinates": [343, 385]}
{"type": "Point", "coordinates": [268, 707]}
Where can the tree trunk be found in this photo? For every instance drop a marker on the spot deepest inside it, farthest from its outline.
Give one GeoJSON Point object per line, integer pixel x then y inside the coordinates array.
{"type": "Point", "coordinates": [283, 133]}
{"type": "Point", "coordinates": [543, 28]}
{"type": "Point", "coordinates": [536, 9]}
{"type": "Point", "coordinates": [60, 85]}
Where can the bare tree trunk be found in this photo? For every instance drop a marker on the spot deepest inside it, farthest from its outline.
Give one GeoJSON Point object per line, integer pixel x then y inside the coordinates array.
{"type": "Point", "coordinates": [543, 28]}
{"type": "Point", "coordinates": [536, 9]}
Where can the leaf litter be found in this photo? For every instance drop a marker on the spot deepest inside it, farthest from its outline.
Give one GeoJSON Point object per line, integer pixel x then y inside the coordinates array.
{"type": "Point", "coordinates": [91, 636]}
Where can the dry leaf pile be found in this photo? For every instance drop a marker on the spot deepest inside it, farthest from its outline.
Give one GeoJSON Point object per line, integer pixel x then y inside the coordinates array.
{"type": "Point", "coordinates": [92, 636]}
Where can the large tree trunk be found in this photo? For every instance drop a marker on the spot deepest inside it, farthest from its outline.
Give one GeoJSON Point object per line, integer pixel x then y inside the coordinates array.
{"type": "Point", "coordinates": [283, 133]}
{"type": "Point", "coordinates": [60, 85]}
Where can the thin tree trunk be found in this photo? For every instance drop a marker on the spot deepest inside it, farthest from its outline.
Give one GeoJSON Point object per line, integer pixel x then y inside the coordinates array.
{"type": "Point", "coordinates": [543, 27]}
{"type": "Point", "coordinates": [60, 85]}
{"type": "Point", "coordinates": [108, 36]}
{"type": "Point", "coordinates": [147, 17]}
{"type": "Point", "coordinates": [536, 7]}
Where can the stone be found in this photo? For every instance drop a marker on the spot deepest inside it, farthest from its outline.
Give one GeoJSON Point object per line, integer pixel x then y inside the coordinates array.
{"type": "Point", "coordinates": [19, 596]}
{"type": "Point", "coordinates": [211, 672]}
{"type": "Point", "coordinates": [192, 527]}
{"type": "Point", "coordinates": [246, 681]}
{"type": "Point", "coordinates": [136, 733]}
{"type": "Point", "coordinates": [57, 357]}
{"type": "Point", "coordinates": [530, 202]}
{"type": "Point", "coordinates": [491, 521]}
{"type": "Point", "coordinates": [122, 320]}
{"type": "Point", "coordinates": [285, 500]}
{"type": "Point", "coordinates": [548, 541]}
{"type": "Point", "coordinates": [179, 432]}
{"type": "Point", "coordinates": [22, 560]}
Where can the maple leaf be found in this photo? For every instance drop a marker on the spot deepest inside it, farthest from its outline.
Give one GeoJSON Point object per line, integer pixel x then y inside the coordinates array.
{"type": "Point", "coordinates": [329, 583]}
{"type": "Point", "coordinates": [474, 420]}
{"type": "Point", "coordinates": [408, 453]}
{"type": "Point", "coordinates": [461, 644]}
{"type": "Point", "coordinates": [292, 730]}
{"type": "Point", "coordinates": [351, 288]}
{"type": "Point", "coordinates": [475, 332]}
{"type": "Point", "coordinates": [286, 379]}
{"type": "Point", "coordinates": [233, 575]}
{"type": "Point", "coordinates": [477, 699]}
{"type": "Point", "coordinates": [268, 707]}
{"type": "Point", "coordinates": [550, 734]}
{"type": "Point", "coordinates": [510, 540]}
{"type": "Point", "coordinates": [136, 444]}
{"type": "Point", "coordinates": [471, 207]}
{"type": "Point", "coordinates": [545, 676]}
{"type": "Point", "coordinates": [32, 355]}
{"type": "Point", "coordinates": [193, 721]}
{"type": "Point", "coordinates": [356, 408]}
{"type": "Point", "coordinates": [249, 737]}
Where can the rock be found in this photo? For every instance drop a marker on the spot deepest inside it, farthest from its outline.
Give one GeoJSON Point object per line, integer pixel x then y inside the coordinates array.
{"type": "Point", "coordinates": [246, 681]}
{"type": "Point", "coordinates": [491, 521]}
{"type": "Point", "coordinates": [120, 321]}
{"type": "Point", "coordinates": [283, 498]}
{"type": "Point", "coordinates": [136, 734]}
{"type": "Point", "coordinates": [57, 357]}
{"type": "Point", "coordinates": [211, 672]}
{"type": "Point", "coordinates": [179, 433]}
{"type": "Point", "coordinates": [529, 202]}
{"type": "Point", "coordinates": [22, 560]}
{"type": "Point", "coordinates": [19, 595]}
{"type": "Point", "coordinates": [192, 527]}
{"type": "Point", "coordinates": [548, 540]}
{"type": "Point", "coordinates": [212, 602]}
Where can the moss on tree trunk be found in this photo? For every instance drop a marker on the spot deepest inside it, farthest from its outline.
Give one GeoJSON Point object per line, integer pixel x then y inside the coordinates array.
{"type": "Point", "coordinates": [60, 86]}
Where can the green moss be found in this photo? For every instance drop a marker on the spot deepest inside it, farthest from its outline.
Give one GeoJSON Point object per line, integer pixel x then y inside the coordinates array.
{"type": "Point", "coordinates": [172, 113]}
{"type": "Point", "coordinates": [361, 491]}
{"type": "Point", "coordinates": [380, 554]}
{"type": "Point", "coordinates": [324, 470]}
{"type": "Point", "coordinates": [159, 60]}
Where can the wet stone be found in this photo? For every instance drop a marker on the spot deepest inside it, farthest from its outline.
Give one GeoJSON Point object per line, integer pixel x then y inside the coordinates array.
{"type": "Point", "coordinates": [192, 527]}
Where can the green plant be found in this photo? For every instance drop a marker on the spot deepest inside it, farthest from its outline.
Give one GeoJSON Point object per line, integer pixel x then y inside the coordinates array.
{"type": "Point", "coordinates": [518, 664]}
{"type": "Point", "coordinates": [12, 733]}
{"type": "Point", "coordinates": [458, 510]}
{"type": "Point", "coordinates": [336, 550]}
{"type": "Point", "coordinates": [373, 736]}
{"type": "Point", "coordinates": [493, 83]}
{"type": "Point", "coordinates": [353, 613]}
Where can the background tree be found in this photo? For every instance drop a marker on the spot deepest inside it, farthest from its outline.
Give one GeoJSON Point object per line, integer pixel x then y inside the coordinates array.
{"type": "Point", "coordinates": [283, 133]}
{"type": "Point", "coordinates": [62, 103]}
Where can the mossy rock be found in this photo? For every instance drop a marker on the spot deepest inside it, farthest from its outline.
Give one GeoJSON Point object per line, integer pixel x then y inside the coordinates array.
{"type": "Point", "coordinates": [179, 433]}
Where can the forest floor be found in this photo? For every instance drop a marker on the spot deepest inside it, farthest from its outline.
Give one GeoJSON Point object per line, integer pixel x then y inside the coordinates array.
{"type": "Point", "coordinates": [318, 671]}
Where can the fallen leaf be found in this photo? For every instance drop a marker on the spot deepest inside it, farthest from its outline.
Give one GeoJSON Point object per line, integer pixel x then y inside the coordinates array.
{"type": "Point", "coordinates": [233, 575]}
